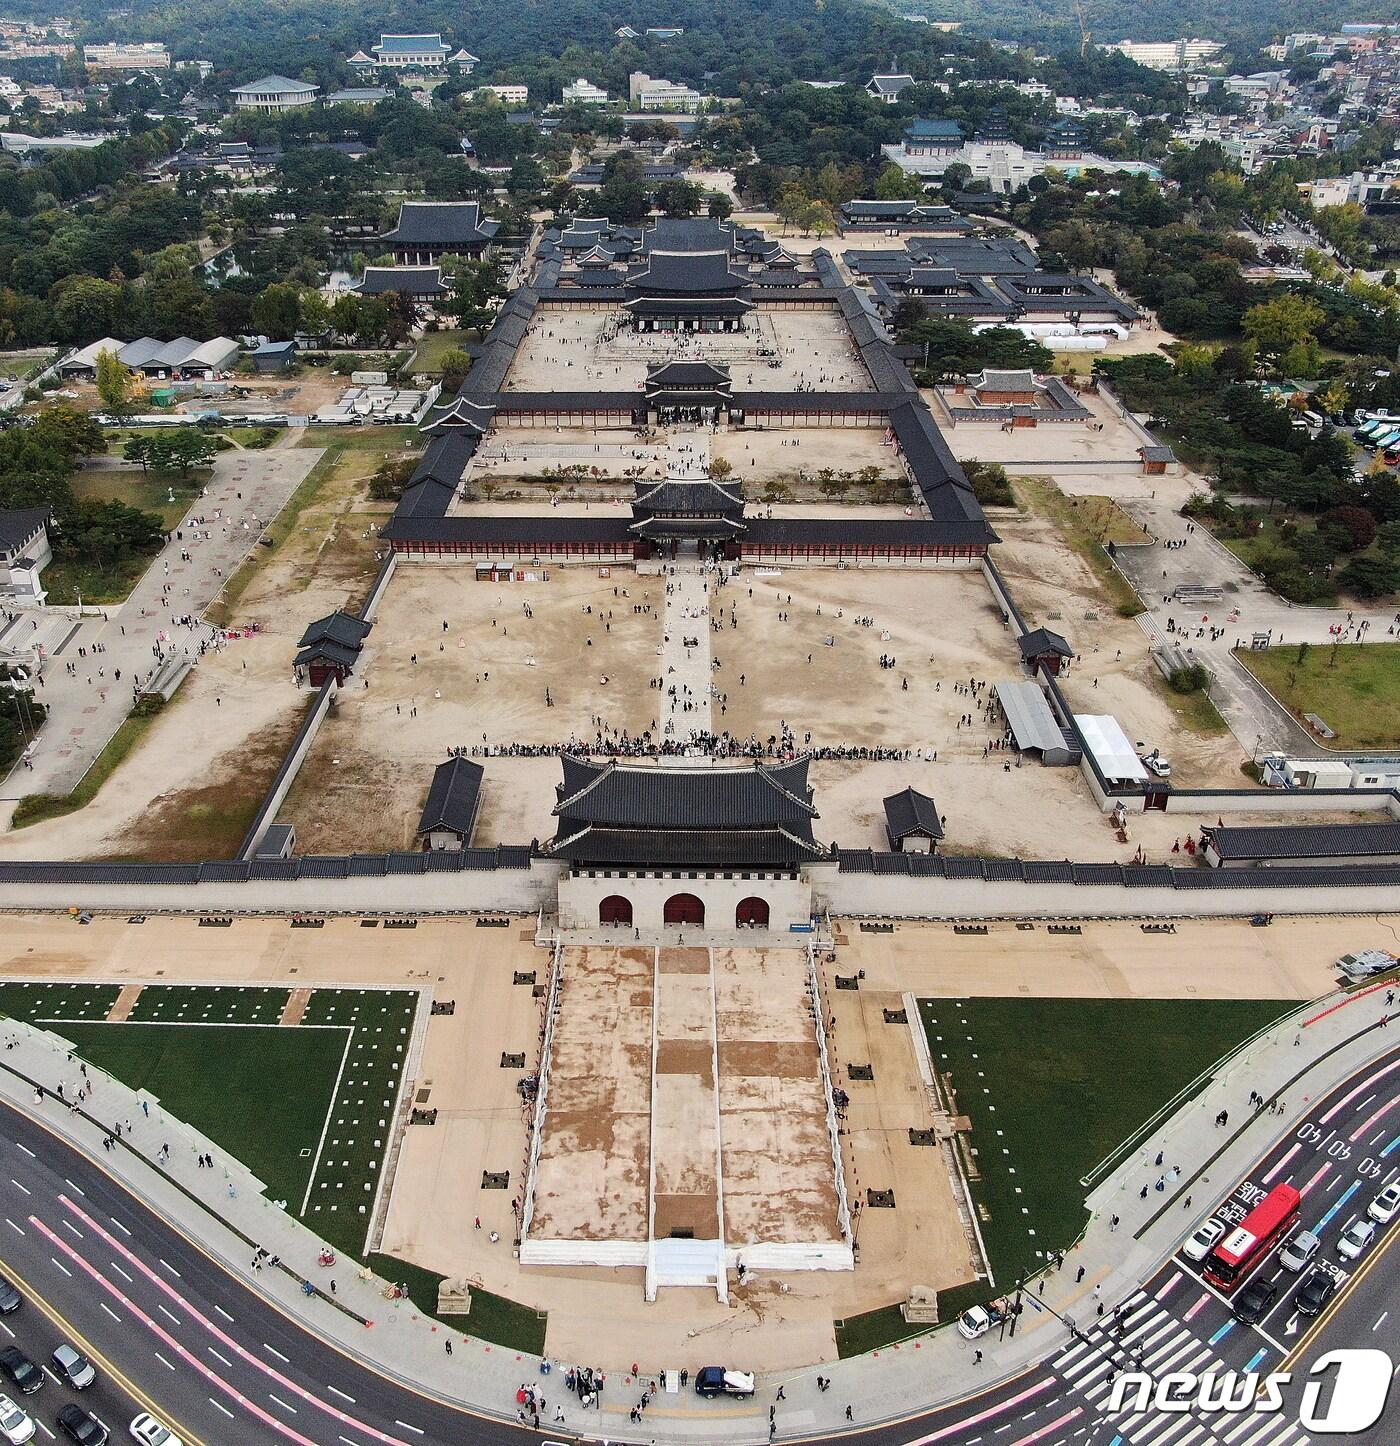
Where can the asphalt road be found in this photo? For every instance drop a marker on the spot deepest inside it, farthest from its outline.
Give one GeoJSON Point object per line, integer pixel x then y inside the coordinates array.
{"type": "Point", "coordinates": [172, 1332]}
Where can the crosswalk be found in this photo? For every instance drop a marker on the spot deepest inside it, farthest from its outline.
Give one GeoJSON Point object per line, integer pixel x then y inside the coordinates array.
{"type": "Point", "coordinates": [1161, 1343]}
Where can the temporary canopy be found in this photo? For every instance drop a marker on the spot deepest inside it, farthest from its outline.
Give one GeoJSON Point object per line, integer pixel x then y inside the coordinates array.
{"type": "Point", "coordinates": [1110, 748]}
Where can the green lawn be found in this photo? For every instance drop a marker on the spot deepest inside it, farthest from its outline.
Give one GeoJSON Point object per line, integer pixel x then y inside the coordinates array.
{"type": "Point", "coordinates": [431, 347]}
{"type": "Point", "coordinates": [492, 1318]}
{"type": "Point", "coordinates": [56, 999]}
{"type": "Point", "coordinates": [209, 1004]}
{"type": "Point", "coordinates": [261, 1094]}
{"type": "Point", "coordinates": [1359, 697]}
{"type": "Point", "coordinates": [69, 582]}
{"type": "Point", "coordinates": [145, 491]}
{"type": "Point", "coordinates": [1053, 1085]}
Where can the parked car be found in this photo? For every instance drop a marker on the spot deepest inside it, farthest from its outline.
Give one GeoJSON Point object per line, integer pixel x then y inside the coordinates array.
{"type": "Point", "coordinates": [73, 1367]}
{"type": "Point", "coordinates": [1253, 1302]}
{"type": "Point", "coordinates": [1355, 1238]}
{"type": "Point", "coordinates": [10, 1298]}
{"type": "Point", "coordinates": [16, 1425]}
{"type": "Point", "coordinates": [1203, 1239]}
{"type": "Point", "coordinates": [26, 1376]}
{"type": "Point", "coordinates": [149, 1432]}
{"type": "Point", "coordinates": [1318, 1287]}
{"type": "Point", "coordinates": [82, 1426]}
{"type": "Point", "coordinates": [975, 1323]}
{"type": "Point", "coordinates": [1298, 1249]}
{"type": "Point", "coordinates": [1386, 1206]}
{"type": "Point", "coordinates": [716, 1381]}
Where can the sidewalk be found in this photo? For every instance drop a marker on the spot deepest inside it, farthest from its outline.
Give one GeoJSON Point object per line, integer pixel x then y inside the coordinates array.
{"type": "Point", "coordinates": [1297, 1060]}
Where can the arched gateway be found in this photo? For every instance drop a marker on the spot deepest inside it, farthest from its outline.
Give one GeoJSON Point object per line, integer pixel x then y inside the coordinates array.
{"type": "Point", "coordinates": [615, 910]}
{"type": "Point", "coordinates": [683, 909]}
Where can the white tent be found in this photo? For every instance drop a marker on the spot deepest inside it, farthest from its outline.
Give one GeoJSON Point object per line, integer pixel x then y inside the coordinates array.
{"type": "Point", "coordinates": [1115, 755]}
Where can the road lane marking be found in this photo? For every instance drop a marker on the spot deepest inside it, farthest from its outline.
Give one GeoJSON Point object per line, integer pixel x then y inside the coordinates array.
{"type": "Point", "coordinates": [344, 1395]}
{"type": "Point", "coordinates": [78, 1188]}
{"type": "Point", "coordinates": [13, 1226]}
{"type": "Point", "coordinates": [223, 1313]}
{"type": "Point", "coordinates": [114, 1266]}
{"type": "Point", "coordinates": [169, 1267]}
{"type": "Point", "coordinates": [220, 1335]}
{"type": "Point", "coordinates": [992, 1411]}
{"type": "Point", "coordinates": [62, 1267]}
{"type": "Point", "coordinates": [26, 1150]}
{"type": "Point", "coordinates": [1381, 1321]}
{"type": "Point", "coordinates": [1338, 1205]}
{"type": "Point", "coordinates": [1222, 1332]}
{"type": "Point", "coordinates": [1072, 1415]}
{"type": "Point", "coordinates": [169, 1315]}
{"type": "Point", "coordinates": [18, 1186]}
{"type": "Point", "coordinates": [163, 1361]}
{"type": "Point", "coordinates": [278, 1354]}
{"type": "Point", "coordinates": [1282, 1163]}
{"type": "Point", "coordinates": [291, 1410]}
{"type": "Point", "coordinates": [1366, 1083]}
{"type": "Point", "coordinates": [416, 1431]}
{"type": "Point", "coordinates": [109, 1310]}
{"type": "Point", "coordinates": [218, 1407]}
{"type": "Point", "coordinates": [120, 1226]}
{"type": "Point", "coordinates": [1256, 1358]}
{"type": "Point", "coordinates": [1325, 1168]}
{"type": "Point", "coordinates": [74, 1229]}
{"type": "Point", "coordinates": [222, 1360]}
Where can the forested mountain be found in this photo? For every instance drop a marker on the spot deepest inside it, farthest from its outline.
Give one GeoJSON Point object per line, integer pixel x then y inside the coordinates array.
{"type": "Point", "coordinates": [763, 41]}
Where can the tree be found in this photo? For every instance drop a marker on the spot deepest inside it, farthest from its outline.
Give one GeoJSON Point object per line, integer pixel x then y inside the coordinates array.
{"type": "Point", "coordinates": [454, 365]}
{"type": "Point", "coordinates": [1356, 523]}
{"type": "Point", "coordinates": [277, 310]}
{"type": "Point", "coordinates": [678, 198]}
{"type": "Point", "coordinates": [894, 184]}
{"type": "Point", "coordinates": [138, 449]}
{"type": "Point", "coordinates": [1282, 323]}
{"type": "Point", "coordinates": [720, 207]}
{"type": "Point", "coordinates": [313, 313]}
{"type": "Point", "coordinates": [720, 468]}
{"type": "Point", "coordinates": [88, 308]}
{"type": "Point", "coordinates": [1370, 577]}
{"type": "Point", "coordinates": [180, 450]}
{"type": "Point", "coordinates": [114, 383]}
{"type": "Point", "coordinates": [791, 205]}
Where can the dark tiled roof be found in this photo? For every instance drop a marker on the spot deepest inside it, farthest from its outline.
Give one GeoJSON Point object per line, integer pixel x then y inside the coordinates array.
{"type": "Point", "coordinates": [688, 374]}
{"type": "Point", "coordinates": [441, 223]}
{"type": "Point", "coordinates": [688, 306]}
{"type": "Point", "coordinates": [840, 532]}
{"type": "Point", "coordinates": [672, 497]}
{"type": "Point", "coordinates": [1043, 640]}
{"type": "Point", "coordinates": [1307, 841]}
{"type": "Point", "coordinates": [690, 273]}
{"type": "Point", "coordinates": [415, 280]}
{"type": "Point", "coordinates": [327, 651]}
{"type": "Point", "coordinates": [453, 797]}
{"type": "Point", "coordinates": [910, 811]}
{"type": "Point", "coordinates": [340, 627]}
{"type": "Point", "coordinates": [622, 795]}
{"type": "Point", "coordinates": [18, 525]}
{"type": "Point", "coordinates": [701, 528]}
{"type": "Point", "coordinates": [490, 533]}
{"type": "Point", "coordinates": [687, 848]}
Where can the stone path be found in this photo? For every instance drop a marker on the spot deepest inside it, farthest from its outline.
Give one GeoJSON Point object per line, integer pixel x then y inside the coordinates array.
{"type": "Point", "coordinates": [122, 642]}
{"type": "Point", "coordinates": [124, 1003]}
{"type": "Point", "coordinates": [686, 669]}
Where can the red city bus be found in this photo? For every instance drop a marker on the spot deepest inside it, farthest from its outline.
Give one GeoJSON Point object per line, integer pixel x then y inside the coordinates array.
{"type": "Point", "coordinates": [1252, 1238]}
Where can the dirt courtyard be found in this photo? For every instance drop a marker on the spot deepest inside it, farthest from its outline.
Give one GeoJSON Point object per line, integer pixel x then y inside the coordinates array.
{"type": "Point", "coordinates": [779, 351]}
{"type": "Point", "coordinates": [492, 676]}
{"type": "Point", "coordinates": [621, 455]}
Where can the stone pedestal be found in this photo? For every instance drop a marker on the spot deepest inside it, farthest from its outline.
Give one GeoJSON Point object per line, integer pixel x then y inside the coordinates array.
{"type": "Point", "coordinates": [922, 1306]}
{"type": "Point", "coordinates": [454, 1296]}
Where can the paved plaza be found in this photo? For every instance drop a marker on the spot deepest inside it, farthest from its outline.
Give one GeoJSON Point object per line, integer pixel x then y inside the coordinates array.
{"type": "Point", "coordinates": [112, 648]}
{"type": "Point", "coordinates": [782, 351]}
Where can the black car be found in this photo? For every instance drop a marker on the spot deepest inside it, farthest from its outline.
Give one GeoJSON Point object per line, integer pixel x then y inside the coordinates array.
{"type": "Point", "coordinates": [1314, 1293]}
{"type": "Point", "coordinates": [1255, 1299]}
{"type": "Point", "coordinates": [79, 1426]}
{"type": "Point", "coordinates": [26, 1376]}
{"type": "Point", "coordinates": [10, 1298]}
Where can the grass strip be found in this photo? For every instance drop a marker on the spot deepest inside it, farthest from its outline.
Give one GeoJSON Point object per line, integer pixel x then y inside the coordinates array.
{"type": "Point", "coordinates": [1082, 528]}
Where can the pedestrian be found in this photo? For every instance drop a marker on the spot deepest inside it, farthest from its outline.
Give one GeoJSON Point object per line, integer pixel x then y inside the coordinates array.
{"type": "Point", "coordinates": [782, 1394]}
{"type": "Point", "coordinates": [1079, 1275]}
{"type": "Point", "coordinates": [447, 1345]}
{"type": "Point", "coordinates": [977, 1358]}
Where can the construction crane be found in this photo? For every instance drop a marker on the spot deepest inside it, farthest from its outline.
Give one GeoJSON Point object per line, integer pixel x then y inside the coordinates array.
{"type": "Point", "coordinates": [1085, 34]}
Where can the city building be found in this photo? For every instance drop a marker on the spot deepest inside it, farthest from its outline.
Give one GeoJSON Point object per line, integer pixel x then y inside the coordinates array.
{"type": "Point", "coordinates": [274, 94]}
{"type": "Point", "coordinates": [584, 92]}
{"type": "Point", "coordinates": [141, 55]}
{"type": "Point", "coordinates": [929, 147]}
{"type": "Point", "coordinates": [655, 93]}
{"type": "Point", "coordinates": [1168, 54]}
{"type": "Point", "coordinates": [411, 52]}
{"type": "Point", "coordinates": [24, 551]}
{"type": "Point", "coordinates": [359, 95]}
{"type": "Point", "coordinates": [506, 94]}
